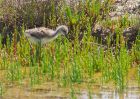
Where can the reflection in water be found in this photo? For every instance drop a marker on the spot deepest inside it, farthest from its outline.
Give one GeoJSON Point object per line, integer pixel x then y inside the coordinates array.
{"type": "Point", "coordinates": [60, 93]}
{"type": "Point", "coordinates": [108, 94]}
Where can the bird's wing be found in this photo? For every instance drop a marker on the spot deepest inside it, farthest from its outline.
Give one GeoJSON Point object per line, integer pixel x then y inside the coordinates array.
{"type": "Point", "coordinates": [47, 31]}
{"type": "Point", "coordinates": [40, 32]}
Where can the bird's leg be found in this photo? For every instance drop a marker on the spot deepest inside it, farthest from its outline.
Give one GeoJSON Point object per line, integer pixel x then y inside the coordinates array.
{"type": "Point", "coordinates": [38, 53]}
{"type": "Point", "coordinates": [53, 53]}
{"type": "Point", "coordinates": [32, 54]}
{"type": "Point", "coordinates": [31, 51]}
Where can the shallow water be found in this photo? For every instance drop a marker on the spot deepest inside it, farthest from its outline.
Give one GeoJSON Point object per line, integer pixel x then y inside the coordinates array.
{"type": "Point", "coordinates": [53, 90]}
{"type": "Point", "coordinates": [50, 90]}
{"type": "Point", "coordinates": [112, 94]}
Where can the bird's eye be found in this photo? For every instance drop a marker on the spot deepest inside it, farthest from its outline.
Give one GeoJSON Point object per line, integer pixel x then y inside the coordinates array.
{"type": "Point", "coordinates": [64, 31]}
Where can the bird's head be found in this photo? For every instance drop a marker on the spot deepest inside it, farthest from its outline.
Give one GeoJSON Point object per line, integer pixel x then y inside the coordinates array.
{"type": "Point", "coordinates": [62, 29]}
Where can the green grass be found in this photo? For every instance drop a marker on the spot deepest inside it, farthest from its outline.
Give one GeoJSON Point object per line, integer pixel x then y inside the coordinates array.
{"type": "Point", "coordinates": [70, 61]}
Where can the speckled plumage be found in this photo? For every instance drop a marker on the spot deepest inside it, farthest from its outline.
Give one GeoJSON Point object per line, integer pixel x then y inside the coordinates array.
{"type": "Point", "coordinates": [44, 35]}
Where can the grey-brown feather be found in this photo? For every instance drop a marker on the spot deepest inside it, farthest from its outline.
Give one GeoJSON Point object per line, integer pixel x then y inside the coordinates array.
{"type": "Point", "coordinates": [41, 33]}
{"type": "Point", "coordinates": [44, 35]}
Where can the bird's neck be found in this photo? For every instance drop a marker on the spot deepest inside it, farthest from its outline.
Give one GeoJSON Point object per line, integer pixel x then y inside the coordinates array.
{"type": "Point", "coordinates": [58, 32]}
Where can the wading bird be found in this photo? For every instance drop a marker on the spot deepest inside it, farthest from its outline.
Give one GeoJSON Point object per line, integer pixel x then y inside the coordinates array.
{"type": "Point", "coordinates": [41, 35]}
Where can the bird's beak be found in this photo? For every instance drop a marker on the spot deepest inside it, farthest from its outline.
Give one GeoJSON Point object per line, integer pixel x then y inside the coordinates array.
{"type": "Point", "coordinates": [66, 35]}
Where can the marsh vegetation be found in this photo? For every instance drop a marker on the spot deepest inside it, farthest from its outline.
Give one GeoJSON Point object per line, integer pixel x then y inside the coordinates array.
{"type": "Point", "coordinates": [88, 60]}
